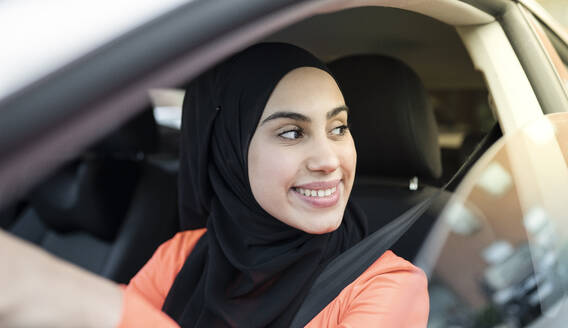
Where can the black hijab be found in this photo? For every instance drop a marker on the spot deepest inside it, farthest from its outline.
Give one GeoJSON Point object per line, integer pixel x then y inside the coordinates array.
{"type": "Point", "coordinates": [249, 269]}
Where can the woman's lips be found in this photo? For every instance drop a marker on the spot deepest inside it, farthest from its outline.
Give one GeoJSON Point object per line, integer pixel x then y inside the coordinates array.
{"type": "Point", "coordinates": [319, 194]}
{"type": "Point", "coordinates": [319, 185]}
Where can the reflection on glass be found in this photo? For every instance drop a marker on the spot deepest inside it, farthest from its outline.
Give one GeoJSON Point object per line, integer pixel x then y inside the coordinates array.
{"type": "Point", "coordinates": [495, 180]}
{"type": "Point", "coordinates": [462, 220]}
{"type": "Point", "coordinates": [504, 260]}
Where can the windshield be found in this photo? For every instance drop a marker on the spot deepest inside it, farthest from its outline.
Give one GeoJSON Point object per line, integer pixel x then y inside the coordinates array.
{"type": "Point", "coordinates": [39, 37]}
{"type": "Point", "coordinates": [498, 254]}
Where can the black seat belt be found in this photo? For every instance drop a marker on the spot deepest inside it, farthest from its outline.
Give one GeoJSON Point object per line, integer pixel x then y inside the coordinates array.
{"type": "Point", "coordinates": [345, 268]}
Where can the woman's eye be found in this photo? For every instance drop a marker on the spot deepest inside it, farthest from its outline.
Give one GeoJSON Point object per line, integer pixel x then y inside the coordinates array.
{"type": "Point", "coordinates": [340, 130]}
{"type": "Point", "coordinates": [292, 134]}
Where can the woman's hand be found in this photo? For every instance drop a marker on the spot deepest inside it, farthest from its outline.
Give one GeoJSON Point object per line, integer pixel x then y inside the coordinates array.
{"type": "Point", "coordinates": [39, 290]}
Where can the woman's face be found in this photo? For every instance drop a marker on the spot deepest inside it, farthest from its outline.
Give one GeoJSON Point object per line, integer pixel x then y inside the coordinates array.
{"type": "Point", "coordinates": [301, 159]}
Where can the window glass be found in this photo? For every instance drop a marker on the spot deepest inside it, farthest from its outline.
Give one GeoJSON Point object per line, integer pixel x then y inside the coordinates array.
{"type": "Point", "coordinates": [498, 255]}
{"type": "Point", "coordinates": [464, 118]}
{"type": "Point", "coordinates": [167, 105]}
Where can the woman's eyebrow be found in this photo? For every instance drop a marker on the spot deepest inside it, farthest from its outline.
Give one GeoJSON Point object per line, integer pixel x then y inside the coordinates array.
{"type": "Point", "coordinates": [290, 115]}
{"type": "Point", "coordinates": [336, 111]}
{"type": "Point", "coordinates": [301, 117]}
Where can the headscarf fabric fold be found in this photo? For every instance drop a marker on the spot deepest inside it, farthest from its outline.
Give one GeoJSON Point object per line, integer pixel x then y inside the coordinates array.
{"type": "Point", "coordinates": [249, 269]}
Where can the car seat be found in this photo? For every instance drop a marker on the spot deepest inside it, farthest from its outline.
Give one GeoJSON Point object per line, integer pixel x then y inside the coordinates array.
{"type": "Point", "coordinates": [396, 137]}
{"type": "Point", "coordinates": [108, 210]}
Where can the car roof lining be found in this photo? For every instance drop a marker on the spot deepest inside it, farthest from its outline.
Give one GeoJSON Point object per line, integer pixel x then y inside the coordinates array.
{"type": "Point", "coordinates": [425, 44]}
{"type": "Point", "coordinates": [451, 12]}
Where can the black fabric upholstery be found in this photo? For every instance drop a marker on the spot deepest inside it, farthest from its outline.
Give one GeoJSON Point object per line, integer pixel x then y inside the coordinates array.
{"type": "Point", "coordinates": [93, 193]}
{"type": "Point", "coordinates": [29, 226]}
{"type": "Point", "coordinates": [90, 195]}
{"type": "Point", "coordinates": [138, 136]}
{"type": "Point", "coordinates": [396, 108]}
{"type": "Point", "coordinates": [79, 248]}
{"type": "Point", "coordinates": [9, 214]}
{"type": "Point", "coordinates": [108, 210]}
{"type": "Point", "coordinates": [396, 136]}
{"type": "Point", "coordinates": [151, 219]}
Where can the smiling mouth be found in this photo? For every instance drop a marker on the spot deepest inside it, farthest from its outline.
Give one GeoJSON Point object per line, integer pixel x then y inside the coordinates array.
{"type": "Point", "coordinates": [319, 193]}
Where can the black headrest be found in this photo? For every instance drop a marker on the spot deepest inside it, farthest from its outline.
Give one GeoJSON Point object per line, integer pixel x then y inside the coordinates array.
{"type": "Point", "coordinates": [93, 193]}
{"type": "Point", "coordinates": [139, 135]}
{"type": "Point", "coordinates": [392, 121]}
{"type": "Point", "coordinates": [90, 195]}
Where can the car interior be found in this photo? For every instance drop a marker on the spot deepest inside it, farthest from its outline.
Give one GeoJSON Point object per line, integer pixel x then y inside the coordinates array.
{"type": "Point", "coordinates": [387, 186]}
{"type": "Point", "coordinates": [108, 210]}
{"type": "Point", "coordinates": [418, 109]}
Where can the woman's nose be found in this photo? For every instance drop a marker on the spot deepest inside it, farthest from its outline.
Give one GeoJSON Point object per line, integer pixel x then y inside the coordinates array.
{"type": "Point", "coordinates": [323, 157]}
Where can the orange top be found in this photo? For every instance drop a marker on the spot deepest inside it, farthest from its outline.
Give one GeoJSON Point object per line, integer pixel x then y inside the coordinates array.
{"type": "Point", "coordinates": [390, 293]}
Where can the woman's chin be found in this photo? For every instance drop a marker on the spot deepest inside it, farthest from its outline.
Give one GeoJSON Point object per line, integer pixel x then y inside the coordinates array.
{"type": "Point", "coordinates": [324, 227]}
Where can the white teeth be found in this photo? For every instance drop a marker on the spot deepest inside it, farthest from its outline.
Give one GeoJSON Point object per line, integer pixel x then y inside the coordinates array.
{"type": "Point", "coordinates": [316, 193]}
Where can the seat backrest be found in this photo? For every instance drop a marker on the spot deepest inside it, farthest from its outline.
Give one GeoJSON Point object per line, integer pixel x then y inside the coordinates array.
{"type": "Point", "coordinates": [396, 136]}
{"type": "Point", "coordinates": [108, 210]}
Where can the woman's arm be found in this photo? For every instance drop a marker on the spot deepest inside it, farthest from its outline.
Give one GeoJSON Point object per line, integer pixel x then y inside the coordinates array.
{"type": "Point", "coordinates": [39, 290]}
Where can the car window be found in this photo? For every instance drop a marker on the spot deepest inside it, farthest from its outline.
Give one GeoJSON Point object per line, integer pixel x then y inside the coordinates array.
{"type": "Point", "coordinates": [167, 105]}
{"type": "Point", "coordinates": [464, 117]}
{"type": "Point", "coordinates": [498, 253]}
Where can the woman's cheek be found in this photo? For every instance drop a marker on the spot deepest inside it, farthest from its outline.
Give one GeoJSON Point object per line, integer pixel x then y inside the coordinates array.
{"type": "Point", "coordinates": [285, 166]}
{"type": "Point", "coordinates": [279, 168]}
{"type": "Point", "coordinates": [349, 162]}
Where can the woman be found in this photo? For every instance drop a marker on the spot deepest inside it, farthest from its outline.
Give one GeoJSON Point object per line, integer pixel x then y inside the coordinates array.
{"type": "Point", "coordinates": [268, 159]}
{"type": "Point", "coordinates": [268, 162]}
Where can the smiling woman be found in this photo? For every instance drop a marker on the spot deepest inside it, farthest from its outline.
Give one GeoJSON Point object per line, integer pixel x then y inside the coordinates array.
{"type": "Point", "coordinates": [268, 159]}
{"type": "Point", "coordinates": [302, 158]}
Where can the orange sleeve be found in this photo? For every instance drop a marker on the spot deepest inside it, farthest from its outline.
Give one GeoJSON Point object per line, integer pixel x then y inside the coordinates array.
{"type": "Point", "coordinates": [145, 294]}
{"type": "Point", "coordinates": [391, 293]}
